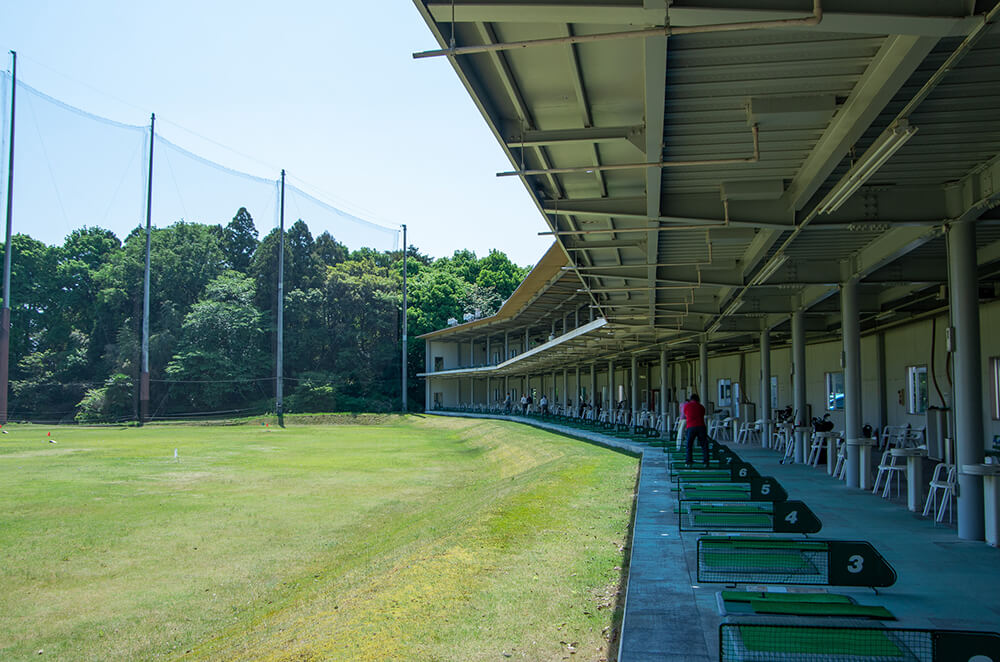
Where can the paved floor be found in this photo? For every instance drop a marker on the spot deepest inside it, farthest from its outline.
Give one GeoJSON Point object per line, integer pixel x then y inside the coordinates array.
{"type": "Point", "coordinates": [943, 582]}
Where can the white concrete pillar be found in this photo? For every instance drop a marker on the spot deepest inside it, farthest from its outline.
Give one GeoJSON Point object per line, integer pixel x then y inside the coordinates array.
{"type": "Point", "coordinates": [765, 388]}
{"type": "Point", "coordinates": [799, 382]}
{"type": "Point", "coordinates": [968, 395]}
{"type": "Point", "coordinates": [506, 345]}
{"type": "Point", "coordinates": [851, 324]}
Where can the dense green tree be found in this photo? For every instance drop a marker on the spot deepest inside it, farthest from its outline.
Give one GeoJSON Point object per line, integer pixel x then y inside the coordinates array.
{"type": "Point", "coordinates": [329, 251]}
{"type": "Point", "coordinates": [498, 272]}
{"type": "Point", "coordinates": [434, 296]}
{"type": "Point", "coordinates": [220, 351]}
{"type": "Point", "coordinates": [239, 241]}
{"type": "Point", "coordinates": [77, 315]}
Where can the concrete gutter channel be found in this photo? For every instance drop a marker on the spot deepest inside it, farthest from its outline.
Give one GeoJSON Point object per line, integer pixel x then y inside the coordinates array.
{"type": "Point", "coordinates": [943, 582]}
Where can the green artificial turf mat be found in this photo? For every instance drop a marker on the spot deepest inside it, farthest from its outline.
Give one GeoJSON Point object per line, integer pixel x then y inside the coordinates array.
{"type": "Point", "coordinates": [757, 543]}
{"type": "Point", "coordinates": [760, 521]}
{"type": "Point", "coordinates": [769, 596]}
{"type": "Point", "coordinates": [820, 609]}
{"type": "Point", "coordinates": [818, 641]}
{"type": "Point", "coordinates": [755, 563]}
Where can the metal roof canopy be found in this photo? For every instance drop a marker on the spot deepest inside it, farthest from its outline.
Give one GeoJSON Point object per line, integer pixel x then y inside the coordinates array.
{"type": "Point", "coordinates": [682, 176]}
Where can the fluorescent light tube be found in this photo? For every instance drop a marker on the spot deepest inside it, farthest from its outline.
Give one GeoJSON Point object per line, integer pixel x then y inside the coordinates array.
{"type": "Point", "coordinates": [874, 158]}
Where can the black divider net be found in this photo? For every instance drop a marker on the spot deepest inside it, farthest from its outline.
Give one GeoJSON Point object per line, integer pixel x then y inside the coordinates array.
{"type": "Point", "coordinates": [736, 559]}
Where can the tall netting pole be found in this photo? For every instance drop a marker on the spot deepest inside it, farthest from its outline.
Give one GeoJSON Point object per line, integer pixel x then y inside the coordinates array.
{"type": "Point", "coordinates": [5, 314]}
{"type": "Point", "coordinates": [279, 386]}
{"type": "Point", "coordinates": [405, 409]}
{"type": "Point", "coordinates": [144, 370]}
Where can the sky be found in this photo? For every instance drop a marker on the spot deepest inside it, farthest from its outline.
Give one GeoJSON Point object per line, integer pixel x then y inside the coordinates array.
{"type": "Point", "coordinates": [326, 90]}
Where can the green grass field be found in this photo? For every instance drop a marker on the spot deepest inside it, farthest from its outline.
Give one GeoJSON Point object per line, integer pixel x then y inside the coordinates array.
{"type": "Point", "coordinates": [425, 538]}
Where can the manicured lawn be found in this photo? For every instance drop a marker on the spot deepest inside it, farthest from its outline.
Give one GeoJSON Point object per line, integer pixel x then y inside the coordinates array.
{"type": "Point", "coordinates": [424, 538]}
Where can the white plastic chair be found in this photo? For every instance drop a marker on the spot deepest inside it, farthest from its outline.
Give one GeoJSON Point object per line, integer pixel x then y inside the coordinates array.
{"type": "Point", "coordinates": [749, 431]}
{"type": "Point", "coordinates": [840, 470]}
{"type": "Point", "coordinates": [725, 430]}
{"type": "Point", "coordinates": [783, 436]}
{"type": "Point", "coordinates": [946, 486]}
{"type": "Point", "coordinates": [887, 468]}
{"type": "Point", "coordinates": [816, 445]}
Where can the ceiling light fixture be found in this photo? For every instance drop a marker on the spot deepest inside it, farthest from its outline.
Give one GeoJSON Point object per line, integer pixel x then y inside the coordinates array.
{"type": "Point", "coordinates": [769, 270]}
{"type": "Point", "coordinates": [874, 158]}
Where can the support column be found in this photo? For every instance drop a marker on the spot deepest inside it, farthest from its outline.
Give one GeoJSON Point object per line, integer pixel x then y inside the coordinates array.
{"type": "Point", "coordinates": [703, 371]}
{"type": "Point", "coordinates": [664, 407]}
{"type": "Point", "coordinates": [593, 387]}
{"type": "Point", "coordinates": [635, 387]}
{"type": "Point", "coordinates": [526, 335]}
{"type": "Point", "coordinates": [506, 345]}
{"type": "Point", "coordinates": [851, 325]}
{"type": "Point", "coordinates": [968, 398]}
{"type": "Point", "coordinates": [799, 382]}
{"type": "Point", "coordinates": [611, 384]}
{"type": "Point", "coordinates": [489, 394]}
{"type": "Point", "coordinates": [564, 396]}
{"type": "Point", "coordinates": [428, 364]}
{"type": "Point", "coordinates": [883, 405]}
{"type": "Point", "coordinates": [489, 357]}
{"type": "Point", "coordinates": [579, 391]}
{"type": "Point", "coordinates": [765, 388]}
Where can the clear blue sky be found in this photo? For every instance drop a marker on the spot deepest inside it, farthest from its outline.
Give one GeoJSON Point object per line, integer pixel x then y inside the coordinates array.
{"type": "Point", "coordinates": [326, 90]}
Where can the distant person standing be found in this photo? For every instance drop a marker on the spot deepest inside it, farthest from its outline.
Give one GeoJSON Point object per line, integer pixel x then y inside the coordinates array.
{"type": "Point", "coordinates": [506, 404]}
{"type": "Point", "coordinates": [544, 404]}
{"type": "Point", "coordinates": [694, 418]}
{"type": "Point", "coordinates": [524, 405]}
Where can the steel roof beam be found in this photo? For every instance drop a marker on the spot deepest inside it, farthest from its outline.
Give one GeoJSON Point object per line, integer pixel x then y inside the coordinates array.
{"type": "Point", "coordinates": [932, 18]}
{"type": "Point", "coordinates": [654, 52]}
{"type": "Point", "coordinates": [591, 134]}
{"type": "Point", "coordinates": [546, 12]}
{"type": "Point", "coordinates": [891, 67]}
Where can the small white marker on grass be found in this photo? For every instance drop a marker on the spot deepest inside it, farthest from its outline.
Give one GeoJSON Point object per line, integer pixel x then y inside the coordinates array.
{"type": "Point", "coordinates": [175, 455]}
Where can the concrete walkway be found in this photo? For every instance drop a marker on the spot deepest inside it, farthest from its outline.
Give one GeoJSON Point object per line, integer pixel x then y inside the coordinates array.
{"type": "Point", "coordinates": [942, 582]}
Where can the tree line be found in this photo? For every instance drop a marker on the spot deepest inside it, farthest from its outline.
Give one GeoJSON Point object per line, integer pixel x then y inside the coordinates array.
{"type": "Point", "coordinates": [76, 320]}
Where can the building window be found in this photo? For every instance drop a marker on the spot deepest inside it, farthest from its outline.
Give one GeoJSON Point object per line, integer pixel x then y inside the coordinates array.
{"type": "Point", "coordinates": [916, 389]}
{"type": "Point", "coordinates": [995, 389]}
{"type": "Point", "coordinates": [438, 363]}
{"type": "Point", "coordinates": [725, 392]}
{"type": "Point", "coordinates": [834, 391]}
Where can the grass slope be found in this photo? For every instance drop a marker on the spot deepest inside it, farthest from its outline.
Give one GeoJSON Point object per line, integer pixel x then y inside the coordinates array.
{"type": "Point", "coordinates": [423, 538]}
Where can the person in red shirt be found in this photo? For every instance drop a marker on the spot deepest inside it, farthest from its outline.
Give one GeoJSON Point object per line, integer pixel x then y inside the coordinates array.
{"type": "Point", "coordinates": [694, 421]}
